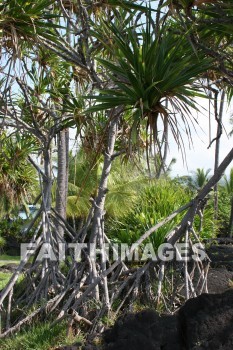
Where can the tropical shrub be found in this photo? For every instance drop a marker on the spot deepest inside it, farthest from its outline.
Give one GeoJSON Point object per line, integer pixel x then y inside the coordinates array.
{"type": "Point", "coordinates": [156, 202]}
{"type": "Point", "coordinates": [2, 243]}
{"type": "Point", "coordinates": [124, 184]}
{"type": "Point", "coordinates": [12, 233]}
{"type": "Point", "coordinates": [18, 178]}
{"type": "Point", "coordinates": [224, 208]}
{"type": "Point", "coordinates": [229, 192]}
{"type": "Point", "coordinates": [210, 226]}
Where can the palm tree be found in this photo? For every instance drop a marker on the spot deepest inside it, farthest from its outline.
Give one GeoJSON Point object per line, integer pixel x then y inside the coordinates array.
{"type": "Point", "coordinates": [229, 190]}
{"type": "Point", "coordinates": [200, 178]}
{"type": "Point", "coordinates": [124, 185]}
{"type": "Point", "coordinates": [196, 181]}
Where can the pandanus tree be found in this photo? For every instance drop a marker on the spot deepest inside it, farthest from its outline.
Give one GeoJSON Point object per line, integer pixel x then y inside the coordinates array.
{"type": "Point", "coordinates": [40, 110]}
{"type": "Point", "coordinates": [145, 78]}
{"type": "Point", "coordinates": [147, 70]}
{"type": "Point", "coordinates": [37, 110]}
{"type": "Point", "coordinates": [214, 37]}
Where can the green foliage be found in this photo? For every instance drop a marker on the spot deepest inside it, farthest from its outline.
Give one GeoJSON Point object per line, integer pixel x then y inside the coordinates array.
{"type": "Point", "coordinates": [12, 231]}
{"type": "Point", "coordinates": [224, 207]}
{"type": "Point", "coordinates": [2, 242]}
{"type": "Point", "coordinates": [229, 190]}
{"type": "Point", "coordinates": [210, 25]}
{"type": "Point", "coordinates": [40, 336]}
{"type": "Point", "coordinates": [24, 21]}
{"type": "Point", "coordinates": [145, 70]}
{"type": "Point", "coordinates": [155, 203]}
{"type": "Point", "coordinates": [229, 183]}
{"type": "Point", "coordinates": [124, 184]}
{"type": "Point", "coordinates": [200, 178]}
{"type": "Point", "coordinates": [195, 181]}
{"type": "Point", "coordinates": [4, 279]}
{"type": "Point", "coordinates": [17, 176]}
{"type": "Point", "coordinates": [210, 226]}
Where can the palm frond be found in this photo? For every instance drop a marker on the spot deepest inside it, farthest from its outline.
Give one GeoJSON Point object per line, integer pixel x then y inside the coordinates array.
{"type": "Point", "coordinates": [22, 23]}
{"type": "Point", "coordinates": [147, 70]}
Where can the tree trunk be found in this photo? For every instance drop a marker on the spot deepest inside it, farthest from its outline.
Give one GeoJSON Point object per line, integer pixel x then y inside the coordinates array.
{"type": "Point", "coordinates": [100, 199]}
{"type": "Point", "coordinates": [47, 182]}
{"type": "Point", "coordinates": [62, 165]}
{"type": "Point", "coordinates": [218, 117]}
{"type": "Point", "coordinates": [62, 177]}
{"type": "Point", "coordinates": [165, 152]}
{"type": "Point", "coordinates": [102, 191]}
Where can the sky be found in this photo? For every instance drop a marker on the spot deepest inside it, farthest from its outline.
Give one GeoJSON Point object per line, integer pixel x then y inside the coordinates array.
{"type": "Point", "coordinates": [198, 155]}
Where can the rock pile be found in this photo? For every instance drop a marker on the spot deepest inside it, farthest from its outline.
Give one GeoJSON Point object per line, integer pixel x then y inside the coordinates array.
{"type": "Point", "coordinates": [203, 323]}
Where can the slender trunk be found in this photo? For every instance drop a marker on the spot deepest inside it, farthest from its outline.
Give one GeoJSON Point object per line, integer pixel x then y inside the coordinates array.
{"type": "Point", "coordinates": [63, 166]}
{"type": "Point", "coordinates": [165, 152]}
{"type": "Point", "coordinates": [100, 199]}
{"type": "Point", "coordinates": [62, 178]}
{"type": "Point", "coordinates": [217, 150]}
{"type": "Point", "coordinates": [47, 201]}
{"type": "Point", "coordinates": [47, 182]}
{"type": "Point", "coordinates": [102, 191]}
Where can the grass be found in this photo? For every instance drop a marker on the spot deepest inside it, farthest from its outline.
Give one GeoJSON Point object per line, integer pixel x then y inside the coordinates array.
{"type": "Point", "coordinates": [7, 259]}
{"type": "Point", "coordinates": [4, 278]}
{"type": "Point", "coordinates": [40, 337]}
